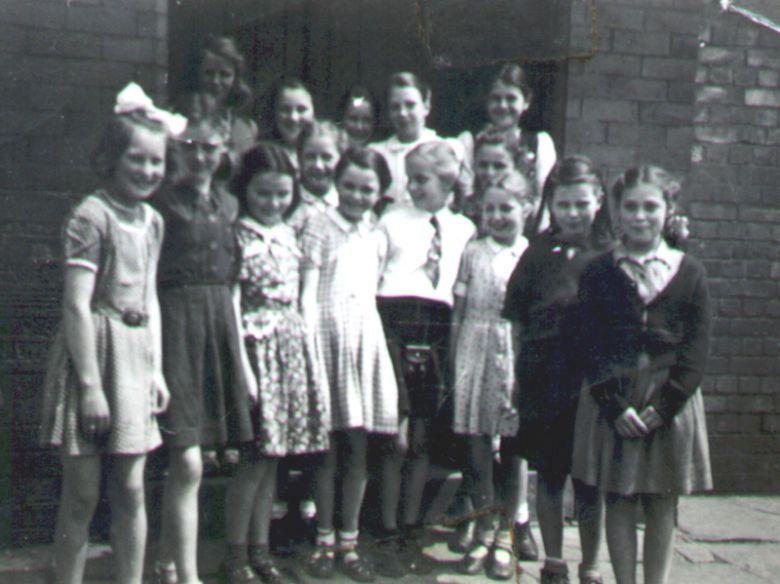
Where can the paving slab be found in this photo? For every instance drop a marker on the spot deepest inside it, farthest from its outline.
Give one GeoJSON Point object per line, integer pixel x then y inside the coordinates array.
{"type": "Point", "coordinates": [747, 519]}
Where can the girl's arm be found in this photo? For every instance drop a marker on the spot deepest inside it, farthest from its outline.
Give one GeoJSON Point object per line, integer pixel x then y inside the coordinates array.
{"type": "Point", "coordinates": [457, 319]}
{"type": "Point", "coordinates": [310, 278]}
{"type": "Point", "coordinates": [162, 395]}
{"type": "Point", "coordinates": [95, 417]}
{"type": "Point", "coordinates": [249, 373]}
{"type": "Point", "coordinates": [546, 157]}
{"type": "Point", "coordinates": [686, 374]}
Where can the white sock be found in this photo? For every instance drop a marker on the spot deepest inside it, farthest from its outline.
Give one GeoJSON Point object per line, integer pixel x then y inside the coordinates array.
{"type": "Point", "coordinates": [522, 514]}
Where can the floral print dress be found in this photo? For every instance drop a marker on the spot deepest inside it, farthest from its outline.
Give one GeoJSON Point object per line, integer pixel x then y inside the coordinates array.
{"type": "Point", "coordinates": [293, 403]}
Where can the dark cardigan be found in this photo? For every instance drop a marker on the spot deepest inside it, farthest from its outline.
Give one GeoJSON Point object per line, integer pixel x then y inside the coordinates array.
{"type": "Point", "coordinates": [616, 326]}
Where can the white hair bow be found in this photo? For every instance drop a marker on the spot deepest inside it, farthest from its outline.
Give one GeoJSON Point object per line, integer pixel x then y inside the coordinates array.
{"type": "Point", "coordinates": [132, 99]}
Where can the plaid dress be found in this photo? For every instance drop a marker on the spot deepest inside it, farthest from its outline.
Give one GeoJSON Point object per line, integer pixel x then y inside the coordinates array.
{"type": "Point", "coordinates": [349, 334]}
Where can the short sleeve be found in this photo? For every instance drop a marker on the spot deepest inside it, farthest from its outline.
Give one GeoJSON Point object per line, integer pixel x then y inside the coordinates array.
{"type": "Point", "coordinates": [83, 236]}
{"type": "Point", "coordinates": [313, 244]}
{"type": "Point", "coordinates": [465, 271]}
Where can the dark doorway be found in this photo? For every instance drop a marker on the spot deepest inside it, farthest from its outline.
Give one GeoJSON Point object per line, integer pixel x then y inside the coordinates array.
{"type": "Point", "coordinates": [335, 44]}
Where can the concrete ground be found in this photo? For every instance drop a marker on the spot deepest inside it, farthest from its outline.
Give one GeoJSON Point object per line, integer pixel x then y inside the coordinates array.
{"type": "Point", "coordinates": [720, 539]}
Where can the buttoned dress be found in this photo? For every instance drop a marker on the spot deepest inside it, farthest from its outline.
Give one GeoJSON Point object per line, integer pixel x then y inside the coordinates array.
{"type": "Point", "coordinates": [202, 354]}
{"type": "Point", "coordinates": [644, 346]}
{"type": "Point", "coordinates": [484, 355]}
{"type": "Point", "coordinates": [311, 205]}
{"type": "Point", "coordinates": [123, 255]}
{"type": "Point", "coordinates": [293, 398]}
{"type": "Point", "coordinates": [349, 334]}
{"type": "Point", "coordinates": [542, 298]}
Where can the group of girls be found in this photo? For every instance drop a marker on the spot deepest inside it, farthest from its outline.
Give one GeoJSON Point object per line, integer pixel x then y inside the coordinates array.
{"type": "Point", "coordinates": [316, 294]}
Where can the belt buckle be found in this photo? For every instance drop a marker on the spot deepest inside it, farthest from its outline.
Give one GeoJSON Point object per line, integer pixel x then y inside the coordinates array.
{"type": "Point", "coordinates": [133, 318]}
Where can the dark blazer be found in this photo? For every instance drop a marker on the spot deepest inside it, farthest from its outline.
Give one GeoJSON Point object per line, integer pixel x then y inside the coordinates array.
{"type": "Point", "coordinates": [616, 326]}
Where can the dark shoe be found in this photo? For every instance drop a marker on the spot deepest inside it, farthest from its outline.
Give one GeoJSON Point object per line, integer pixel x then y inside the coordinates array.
{"type": "Point", "coordinates": [239, 575]}
{"type": "Point", "coordinates": [525, 546]}
{"type": "Point", "coordinates": [591, 579]}
{"type": "Point", "coordinates": [389, 552]}
{"type": "Point", "coordinates": [554, 577]}
{"type": "Point", "coordinates": [322, 562]}
{"type": "Point", "coordinates": [263, 564]}
{"type": "Point", "coordinates": [472, 564]}
{"type": "Point", "coordinates": [415, 559]}
{"type": "Point", "coordinates": [464, 537]}
{"type": "Point", "coordinates": [502, 570]}
{"type": "Point", "coordinates": [358, 567]}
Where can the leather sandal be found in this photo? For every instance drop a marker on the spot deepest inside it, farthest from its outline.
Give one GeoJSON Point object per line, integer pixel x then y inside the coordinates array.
{"type": "Point", "coordinates": [322, 562]}
{"type": "Point", "coordinates": [501, 570]}
{"type": "Point", "coordinates": [356, 566]}
{"type": "Point", "coordinates": [473, 564]}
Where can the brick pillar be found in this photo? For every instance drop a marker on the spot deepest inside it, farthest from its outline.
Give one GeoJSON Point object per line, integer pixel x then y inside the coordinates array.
{"type": "Point", "coordinates": [66, 61]}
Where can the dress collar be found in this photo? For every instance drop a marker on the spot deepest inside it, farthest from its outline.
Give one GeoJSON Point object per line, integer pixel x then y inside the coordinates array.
{"type": "Point", "coordinates": [515, 250]}
{"type": "Point", "coordinates": [266, 232]}
{"type": "Point", "coordinates": [362, 227]}
{"type": "Point", "coordinates": [663, 253]}
{"type": "Point", "coordinates": [330, 199]}
{"type": "Point", "coordinates": [426, 135]}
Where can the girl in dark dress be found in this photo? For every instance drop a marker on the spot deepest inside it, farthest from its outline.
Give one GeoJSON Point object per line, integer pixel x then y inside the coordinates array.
{"type": "Point", "coordinates": [202, 358]}
{"type": "Point", "coordinates": [541, 300]}
{"type": "Point", "coordinates": [640, 434]}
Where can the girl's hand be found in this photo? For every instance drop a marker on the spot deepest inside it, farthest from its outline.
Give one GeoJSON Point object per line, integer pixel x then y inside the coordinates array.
{"type": "Point", "coordinates": [95, 415]}
{"type": "Point", "coordinates": [162, 396]}
{"type": "Point", "coordinates": [630, 425]}
{"type": "Point", "coordinates": [402, 438]}
{"type": "Point", "coordinates": [651, 418]}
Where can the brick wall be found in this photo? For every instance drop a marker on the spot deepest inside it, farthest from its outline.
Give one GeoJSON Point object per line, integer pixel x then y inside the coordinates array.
{"type": "Point", "coordinates": [735, 201]}
{"type": "Point", "coordinates": [679, 84]}
{"type": "Point", "coordinates": [65, 62]}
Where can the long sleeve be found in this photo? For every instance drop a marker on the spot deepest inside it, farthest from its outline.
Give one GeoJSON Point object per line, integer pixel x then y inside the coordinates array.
{"type": "Point", "coordinates": [691, 356]}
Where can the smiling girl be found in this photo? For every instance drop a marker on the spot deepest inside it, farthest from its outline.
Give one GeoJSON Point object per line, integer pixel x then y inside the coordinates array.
{"type": "Point", "coordinates": [104, 385]}
{"type": "Point", "coordinates": [641, 433]}
{"type": "Point", "coordinates": [541, 300]}
{"type": "Point", "coordinates": [292, 404]}
{"type": "Point", "coordinates": [343, 252]}
{"type": "Point", "coordinates": [292, 109]}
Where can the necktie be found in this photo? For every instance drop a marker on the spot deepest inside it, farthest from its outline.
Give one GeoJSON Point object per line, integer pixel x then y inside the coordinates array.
{"type": "Point", "coordinates": [431, 266]}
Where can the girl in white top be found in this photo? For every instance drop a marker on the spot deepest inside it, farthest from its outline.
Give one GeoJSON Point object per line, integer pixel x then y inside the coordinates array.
{"type": "Point", "coordinates": [408, 106]}
{"type": "Point", "coordinates": [508, 100]}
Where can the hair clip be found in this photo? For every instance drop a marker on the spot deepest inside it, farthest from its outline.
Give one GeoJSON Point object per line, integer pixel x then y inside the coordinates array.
{"type": "Point", "coordinates": [133, 99]}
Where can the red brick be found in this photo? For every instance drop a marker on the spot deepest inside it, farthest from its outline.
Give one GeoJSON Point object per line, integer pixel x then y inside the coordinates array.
{"type": "Point", "coordinates": [766, 117]}
{"type": "Point", "coordinates": [681, 92]}
{"type": "Point", "coordinates": [668, 68]}
{"type": "Point", "coordinates": [636, 88]}
{"type": "Point", "coordinates": [715, 403]}
{"type": "Point", "coordinates": [762, 97]}
{"type": "Point", "coordinates": [721, 56]}
{"type": "Point", "coordinates": [151, 25]}
{"type": "Point", "coordinates": [674, 20]}
{"type": "Point", "coordinates": [609, 110]}
{"type": "Point", "coordinates": [717, 94]}
{"type": "Point", "coordinates": [684, 46]}
{"type": "Point", "coordinates": [128, 49]}
{"type": "Point", "coordinates": [716, 134]}
{"type": "Point", "coordinates": [117, 19]}
{"type": "Point", "coordinates": [621, 17]}
{"type": "Point", "coordinates": [744, 76]}
{"type": "Point", "coordinates": [586, 131]}
{"type": "Point", "coordinates": [771, 423]}
{"type": "Point", "coordinates": [769, 78]}
{"type": "Point", "coordinates": [640, 43]}
{"type": "Point", "coordinates": [763, 58]}
{"type": "Point", "coordinates": [734, 423]}
{"type": "Point", "coordinates": [627, 65]}
{"type": "Point", "coordinates": [665, 113]}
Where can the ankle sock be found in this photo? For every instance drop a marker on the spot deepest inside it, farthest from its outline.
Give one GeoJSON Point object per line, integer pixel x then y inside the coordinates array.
{"type": "Point", "coordinates": [258, 552]}
{"type": "Point", "coordinates": [325, 537]}
{"type": "Point", "coordinates": [522, 514]}
{"type": "Point", "coordinates": [348, 541]}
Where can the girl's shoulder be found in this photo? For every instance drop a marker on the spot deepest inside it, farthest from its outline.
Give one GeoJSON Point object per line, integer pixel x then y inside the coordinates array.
{"type": "Point", "coordinates": [93, 210]}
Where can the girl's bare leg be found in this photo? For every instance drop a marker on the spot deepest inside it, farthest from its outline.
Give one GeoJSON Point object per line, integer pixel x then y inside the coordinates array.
{"type": "Point", "coordinates": [79, 497]}
{"type": "Point", "coordinates": [621, 536]}
{"type": "Point", "coordinates": [128, 521]}
{"type": "Point", "coordinates": [659, 536]}
{"type": "Point", "coordinates": [179, 534]}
